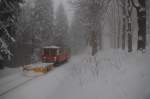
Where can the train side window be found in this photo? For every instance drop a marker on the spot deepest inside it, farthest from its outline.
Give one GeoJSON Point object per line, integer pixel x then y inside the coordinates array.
{"type": "Point", "coordinates": [61, 51]}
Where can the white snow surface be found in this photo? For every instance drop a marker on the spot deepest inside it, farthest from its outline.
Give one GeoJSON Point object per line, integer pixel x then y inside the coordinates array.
{"type": "Point", "coordinates": [111, 74]}
{"type": "Point", "coordinates": [39, 64]}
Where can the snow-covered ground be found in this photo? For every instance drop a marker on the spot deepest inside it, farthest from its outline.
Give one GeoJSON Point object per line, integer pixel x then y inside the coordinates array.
{"type": "Point", "coordinates": [8, 71]}
{"type": "Point", "coordinates": [111, 74]}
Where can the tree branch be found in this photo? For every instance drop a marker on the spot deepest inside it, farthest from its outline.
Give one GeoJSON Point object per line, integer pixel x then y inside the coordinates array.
{"type": "Point", "coordinates": [137, 7]}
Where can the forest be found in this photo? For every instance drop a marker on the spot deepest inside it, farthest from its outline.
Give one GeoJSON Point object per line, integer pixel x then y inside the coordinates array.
{"type": "Point", "coordinates": [74, 49]}
{"type": "Point", "coordinates": [28, 25]}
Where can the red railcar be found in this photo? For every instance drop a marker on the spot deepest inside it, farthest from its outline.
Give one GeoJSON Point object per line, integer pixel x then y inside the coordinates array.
{"type": "Point", "coordinates": [55, 54]}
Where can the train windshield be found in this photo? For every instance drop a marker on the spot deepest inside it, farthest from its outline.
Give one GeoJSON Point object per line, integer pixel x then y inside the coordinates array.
{"type": "Point", "coordinates": [51, 52]}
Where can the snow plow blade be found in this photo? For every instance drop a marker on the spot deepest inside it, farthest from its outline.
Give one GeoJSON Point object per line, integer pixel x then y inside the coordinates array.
{"type": "Point", "coordinates": [37, 68]}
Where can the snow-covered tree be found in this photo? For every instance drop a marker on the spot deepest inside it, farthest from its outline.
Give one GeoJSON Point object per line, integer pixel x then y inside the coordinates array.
{"type": "Point", "coordinates": [43, 25]}
{"type": "Point", "coordinates": [92, 13]}
{"type": "Point", "coordinates": [121, 16]}
{"type": "Point", "coordinates": [123, 37]}
{"type": "Point", "coordinates": [77, 34]}
{"type": "Point", "coordinates": [113, 18]}
{"type": "Point", "coordinates": [8, 17]}
{"type": "Point", "coordinates": [140, 6]}
{"type": "Point", "coordinates": [24, 35]}
{"type": "Point", "coordinates": [35, 30]}
{"type": "Point", "coordinates": [148, 22]}
{"type": "Point", "coordinates": [61, 26]}
{"type": "Point", "coordinates": [43, 17]}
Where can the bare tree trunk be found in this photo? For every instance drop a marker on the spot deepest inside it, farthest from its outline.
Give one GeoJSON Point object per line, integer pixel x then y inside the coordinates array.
{"type": "Point", "coordinates": [129, 19]}
{"type": "Point", "coordinates": [123, 34]}
{"type": "Point", "coordinates": [124, 24]}
{"type": "Point", "coordinates": [113, 17]}
{"type": "Point", "coordinates": [94, 43]}
{"type": "Point", "coordinates": [119, 24]}
{"type": "Point", "coordinates": [1, 64]}
{"type": "Point", "coordinates": [141, 14]}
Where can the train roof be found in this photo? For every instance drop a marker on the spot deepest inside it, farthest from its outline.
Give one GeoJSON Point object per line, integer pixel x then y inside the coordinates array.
{"type": "Point", "coordinates": [51, 46]}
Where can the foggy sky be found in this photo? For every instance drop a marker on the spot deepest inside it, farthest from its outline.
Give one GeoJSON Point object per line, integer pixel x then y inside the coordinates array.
{"type": "Point", "coordinates": [56, 3]}
{"type": "Point", "coordinates": [66, 5]}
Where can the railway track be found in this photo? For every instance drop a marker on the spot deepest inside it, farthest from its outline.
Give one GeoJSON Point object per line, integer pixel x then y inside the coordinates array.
{"type": "Point", "coordinates": [19, 79]}
{"type": "Point", "coordinates": [18, 85]}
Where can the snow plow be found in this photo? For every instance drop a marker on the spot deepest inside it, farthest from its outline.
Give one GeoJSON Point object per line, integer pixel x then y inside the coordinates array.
{"type": "Point", "coordinates": [51, 57]}
{"type": "Point", "coordinates": [55, 54]}
{"type": "Point", "coordinates": [37, 68]}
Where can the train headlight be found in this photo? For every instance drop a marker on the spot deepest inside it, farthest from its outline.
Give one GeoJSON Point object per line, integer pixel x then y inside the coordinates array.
{"type": "Point", "coordinates": [44, 57]}
{"type": "Point", "coordinates": [55, 58]}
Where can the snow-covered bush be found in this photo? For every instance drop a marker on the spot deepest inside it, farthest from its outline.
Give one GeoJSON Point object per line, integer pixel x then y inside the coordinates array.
{"type": "Point", "coordinates": [9, 10]}
{"type": "Point", "coordinates": [4, 51]}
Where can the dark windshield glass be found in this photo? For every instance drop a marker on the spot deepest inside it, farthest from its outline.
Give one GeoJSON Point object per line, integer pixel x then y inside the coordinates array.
{"type": "Point", "coordinates": [46, 51]}
{"type": "Point", "coordinates": [53, 52]}
{"type": "Point", "coordinates": [50, 51]}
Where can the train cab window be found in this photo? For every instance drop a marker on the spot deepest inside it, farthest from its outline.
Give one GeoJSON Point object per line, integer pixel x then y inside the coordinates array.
{"type": "Point", "coordinates": [53, 51]}
{"type": "Point", "coordinates": [46, 51]}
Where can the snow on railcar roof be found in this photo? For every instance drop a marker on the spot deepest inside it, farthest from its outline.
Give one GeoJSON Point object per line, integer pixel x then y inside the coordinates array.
{"type": "Point", "coordinates": [51, 47]}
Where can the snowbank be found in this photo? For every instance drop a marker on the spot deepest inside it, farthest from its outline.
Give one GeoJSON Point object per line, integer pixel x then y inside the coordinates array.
{"type": "Point", "coordinates": [8, 71]}
{"type": "Point", "coordinates": [111, 74]}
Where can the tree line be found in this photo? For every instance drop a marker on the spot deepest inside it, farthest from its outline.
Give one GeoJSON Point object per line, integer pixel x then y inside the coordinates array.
{"type": "Point", "coordinates": [126, 21]}
{"type": "Point", "coordinates": [26, 27]}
